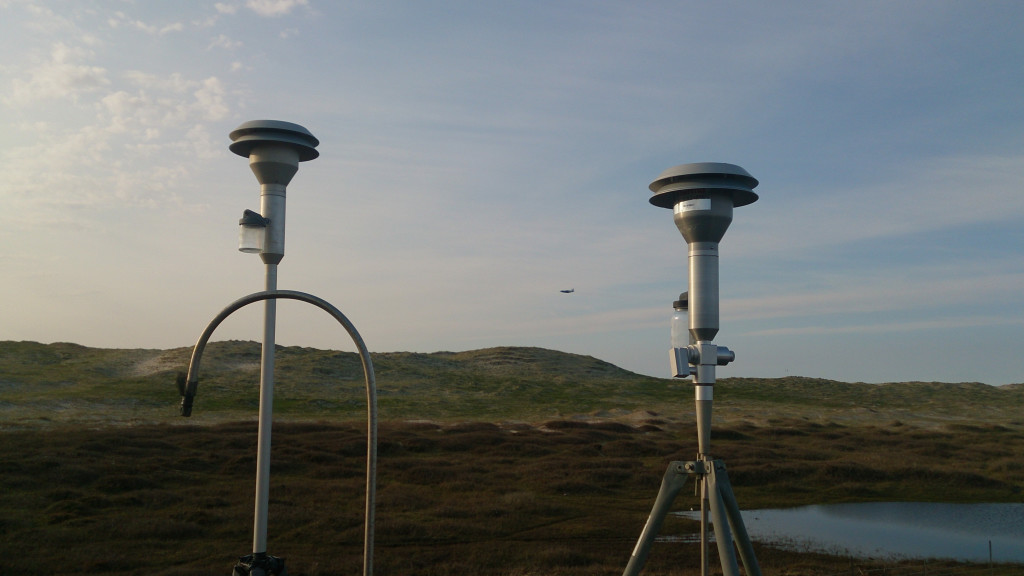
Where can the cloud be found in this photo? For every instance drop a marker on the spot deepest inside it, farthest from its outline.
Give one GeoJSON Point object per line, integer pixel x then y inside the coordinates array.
{"type": "Point", "coordinates": [223, 41]}
{"type": "Point", "coordinates": [142, 142]}
{"type": "Point", "coordinates": [952, 295]}
{"type": "Point", "coordinates": [159, 102]}
{"type": "Point", "coordinates": [176, 27]}
{"type": "Point", "coordinates": [173, 83]}
{"type": "Point", "coordinates": [225, 8]}
{"type": "Point", "coordinates": [922, 195]}
{"type": "Point", "coordinates": [60, 78]}
{"type": "Point", "coordinates": [272, 8]}
{"type": "Point", "coordinates": [171, 106]}
{"type": "Point", "coordinates": [210, 100]}
{"type": "Point", "coordinates": [121, 19]}
{"type": "Point", "coordinates": [47, 22]}
{"type": "Point", "coordinates": [85, 139]}
{"type": "Point", "coordinates": [951, 324]}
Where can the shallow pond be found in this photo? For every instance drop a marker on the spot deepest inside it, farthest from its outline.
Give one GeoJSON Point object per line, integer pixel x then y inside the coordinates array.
{"type": "Point", "coordinates": [895, 529]}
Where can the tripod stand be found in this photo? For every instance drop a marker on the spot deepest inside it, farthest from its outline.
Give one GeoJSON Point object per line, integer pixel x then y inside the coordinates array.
{"type": "Point", "coordinates": [717, 498]}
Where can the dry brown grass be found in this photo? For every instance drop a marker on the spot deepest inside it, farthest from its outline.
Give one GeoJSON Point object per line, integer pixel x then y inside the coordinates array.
{"type": "Point", "coordinates": [564, 497]}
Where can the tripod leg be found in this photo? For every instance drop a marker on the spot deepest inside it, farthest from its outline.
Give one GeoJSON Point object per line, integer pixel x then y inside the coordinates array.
{"type": "Point", "coordinates": [746, 549]}
{"type": "Point", "coordinates": [671, 484]}
{"type": "Point", "coordinates": [705, 551]}
{"type": "Point", "coordinates": [723, 536]}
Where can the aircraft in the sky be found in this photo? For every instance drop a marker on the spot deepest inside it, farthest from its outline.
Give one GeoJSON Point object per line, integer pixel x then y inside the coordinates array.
{"type": "Point", "coordinates": [569, 291]}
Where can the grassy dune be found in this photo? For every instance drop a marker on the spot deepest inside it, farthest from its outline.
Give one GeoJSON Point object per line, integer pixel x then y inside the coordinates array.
{"type": "Point", "coordinates": [48, 384]}
{"type": "Point", "coordinates": [504, 461]}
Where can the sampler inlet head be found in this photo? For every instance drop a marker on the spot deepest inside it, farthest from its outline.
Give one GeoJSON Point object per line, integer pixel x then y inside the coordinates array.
{"type": "Point", "coordinates": [700, 179]}
{"type": "Point", "coordinates": [702, 196]}
{"type": "Point", "coordinates": [274, 148]}
{"type": "Point", "coordinates": [261, 132]}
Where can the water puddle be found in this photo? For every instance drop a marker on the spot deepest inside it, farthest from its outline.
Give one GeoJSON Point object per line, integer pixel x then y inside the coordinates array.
{"type": "Point", "coordinates": [893, 529]}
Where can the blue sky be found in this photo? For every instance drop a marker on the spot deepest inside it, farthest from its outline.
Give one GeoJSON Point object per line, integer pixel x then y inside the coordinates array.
{"type": "Point", "coordinates": [476, 158]}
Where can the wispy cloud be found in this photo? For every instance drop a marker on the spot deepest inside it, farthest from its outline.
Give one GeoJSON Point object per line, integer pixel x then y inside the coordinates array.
{"type": "Point", "coordinates": [63, 76]}
{"type": "Point", "coordinates": [223, 41]}
{"type": "Point", "coordinates": [890, 287]}
{"type": "Point", "coordinates": [224, 8]}
{"type": "Point", "coordinates": [948, 324]}
{"type": "Point", "coordinates": [925, 194]}
{"type": "Point", "coordinates": [271, 8]}
{"type": "Point", "coordinates": [210, 100]}
{"type": "Point", "coordinates": [120, 19]}
{"type": "Point", "coordinates": [118, 135]}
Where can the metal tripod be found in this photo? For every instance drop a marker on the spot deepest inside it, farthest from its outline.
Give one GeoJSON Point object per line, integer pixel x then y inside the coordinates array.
{"type": "Point", "coordinates": [717, 498]}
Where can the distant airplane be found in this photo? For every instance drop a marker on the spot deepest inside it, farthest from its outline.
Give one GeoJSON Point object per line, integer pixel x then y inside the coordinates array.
{"type": "Point", "coordinates": [569, 291]}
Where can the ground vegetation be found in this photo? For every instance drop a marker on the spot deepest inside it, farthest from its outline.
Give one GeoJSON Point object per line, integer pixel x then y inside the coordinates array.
{"type": "Point", "coordinates": [552, 468]}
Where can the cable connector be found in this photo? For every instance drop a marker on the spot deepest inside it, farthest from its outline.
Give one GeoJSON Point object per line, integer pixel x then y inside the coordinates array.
{"type": "Point", "coordinates": [188, 393]}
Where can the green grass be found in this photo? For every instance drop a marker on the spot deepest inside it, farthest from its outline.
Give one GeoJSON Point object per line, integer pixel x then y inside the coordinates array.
{"type": "Point", "coordinates": [69, 383]}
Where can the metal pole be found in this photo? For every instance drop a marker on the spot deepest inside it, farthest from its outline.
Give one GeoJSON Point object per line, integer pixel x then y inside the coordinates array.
{"type": "Point", "coordinates": [275, 164]}
{"type": "Point", "coordinates": [266, 418]}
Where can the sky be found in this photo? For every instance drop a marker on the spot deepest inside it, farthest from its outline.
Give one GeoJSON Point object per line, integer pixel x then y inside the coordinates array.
{"type": "Point", "coordinates": [478, 157]}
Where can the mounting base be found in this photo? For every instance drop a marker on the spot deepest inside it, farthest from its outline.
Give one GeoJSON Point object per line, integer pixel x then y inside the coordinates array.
{"type": "Point", "coordinates": [259, 564]}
